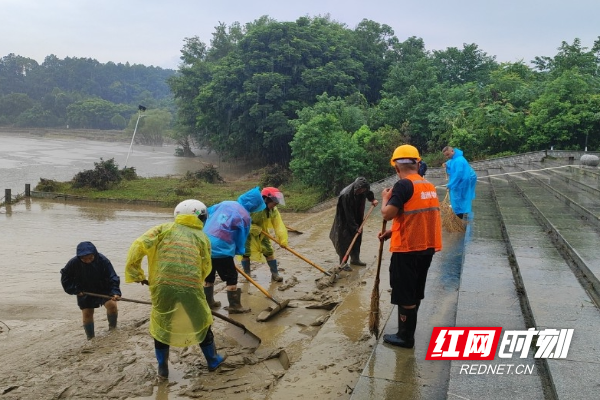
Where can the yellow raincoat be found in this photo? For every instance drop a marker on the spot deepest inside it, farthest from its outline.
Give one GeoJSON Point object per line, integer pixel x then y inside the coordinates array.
{"type": "Point", "coordinates": [259, 246]}
{"type": "Point", "coordinates": [178, 261]}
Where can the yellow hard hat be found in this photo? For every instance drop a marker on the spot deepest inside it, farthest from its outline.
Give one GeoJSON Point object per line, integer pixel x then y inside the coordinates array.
{"type": "Point", "coordinates": [405, 152]}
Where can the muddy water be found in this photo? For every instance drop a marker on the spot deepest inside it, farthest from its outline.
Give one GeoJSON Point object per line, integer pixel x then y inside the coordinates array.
{"type": "Point", "coordinates": [39, 236]}
{"type": "Point", "coordinates": [26, 159]}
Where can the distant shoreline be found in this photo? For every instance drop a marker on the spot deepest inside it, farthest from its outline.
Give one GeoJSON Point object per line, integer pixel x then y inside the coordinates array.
{"type": "Point", "coordinates": [57, 133]}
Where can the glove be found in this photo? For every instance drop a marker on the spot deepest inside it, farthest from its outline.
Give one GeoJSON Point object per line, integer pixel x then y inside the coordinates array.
{"type": "Point", "coordinates": [255, 230]}
{"type": "Point", "coordinates": [144, 282]}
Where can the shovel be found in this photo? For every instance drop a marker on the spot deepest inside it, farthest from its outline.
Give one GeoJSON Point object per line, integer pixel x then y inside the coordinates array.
{"type": "Point", "coordinates": [296, 254]}
{"type": "Point", "coordinates": [293, 230]}
{"type": "Point", "coordinates": [269, 312]}
{"type": "Point", "coordinates": [251, 335]}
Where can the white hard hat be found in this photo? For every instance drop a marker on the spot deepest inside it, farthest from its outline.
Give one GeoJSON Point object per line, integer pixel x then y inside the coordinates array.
{"type": "Point", "coordinates": [192, 207]}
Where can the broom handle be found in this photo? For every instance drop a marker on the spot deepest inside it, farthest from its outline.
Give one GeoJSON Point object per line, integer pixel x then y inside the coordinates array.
{"type": "Point", "coordinates": [383, 228]}
{"type": "Point", "coordinates": [356, 236]}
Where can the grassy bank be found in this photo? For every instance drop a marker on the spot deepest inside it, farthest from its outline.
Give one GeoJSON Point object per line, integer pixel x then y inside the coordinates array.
{"type": "Point", "coordinates": [169, 191]}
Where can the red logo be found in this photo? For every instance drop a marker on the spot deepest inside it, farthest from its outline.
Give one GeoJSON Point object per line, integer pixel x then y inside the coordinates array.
{"type": "Point", "coordinates": [463, 343]}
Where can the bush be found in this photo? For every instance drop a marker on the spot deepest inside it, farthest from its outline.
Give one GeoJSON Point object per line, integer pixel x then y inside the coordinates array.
{"type": "Point", "coordinates": [209, 174]}
{"type": "Point", "coordinates": [47, 185]}
{"type": "Point", "coordinates": [129, 174]}
{"type": "Point", "coordinates": [275, 175]}
{"type": "Point", "coordinates": [102, 177]}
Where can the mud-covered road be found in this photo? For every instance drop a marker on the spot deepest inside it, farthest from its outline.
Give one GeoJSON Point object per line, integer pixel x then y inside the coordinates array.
{"type": "Point", "coordinates": [314, 348]}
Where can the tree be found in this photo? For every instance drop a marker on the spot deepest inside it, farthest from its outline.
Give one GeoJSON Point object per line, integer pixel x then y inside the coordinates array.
{"type": "Point", "coordinates": [151, 128]}
{"type": "Point", "coordinates": [324, 156]}
{"type": "Point", "coordinates": [242, 93]}
{"type": "Point", "coordinates": [566, 113]}
{"type": "Point", "coordinates": [469, 64]}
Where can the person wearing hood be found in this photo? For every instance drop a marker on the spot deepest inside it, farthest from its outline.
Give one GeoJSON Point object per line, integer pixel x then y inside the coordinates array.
{"type": "Point", "coordinates": [258, 246]}
{"type": "Point", "coordinates": [227, 227]}
{"type": "Point", "coordinates": [178, 255]}
{"type": "Point", "coordinates": [462, 180]}
{"type": "Point", "coordinates": [349, 215]}
{"type": "Point", "coordinates": [90, 271]}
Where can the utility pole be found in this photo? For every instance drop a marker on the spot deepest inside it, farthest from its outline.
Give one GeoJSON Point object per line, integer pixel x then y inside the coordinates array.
{"type": "Point", "coordinates": [141, 109]}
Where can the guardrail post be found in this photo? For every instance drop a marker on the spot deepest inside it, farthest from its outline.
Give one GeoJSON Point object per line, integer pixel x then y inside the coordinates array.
{"type": "Point", "coordinates": [7, 196]}
{"type": "Point", "coordinates": [27, 190]}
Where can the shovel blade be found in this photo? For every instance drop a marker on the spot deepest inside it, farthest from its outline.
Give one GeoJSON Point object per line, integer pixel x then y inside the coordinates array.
{"type": "Point", "coordinates": [271, 311]}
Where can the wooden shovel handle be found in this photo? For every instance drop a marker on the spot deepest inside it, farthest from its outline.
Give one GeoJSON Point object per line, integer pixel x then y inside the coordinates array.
{"type": "Point", "coordinates": [256, 284]}
{"type": "Point", "coordinates": [296, 253]}
{"type": "Point", "coordinates": [356, 237]}
{"type": "Point", "coordinates": [214, 313]}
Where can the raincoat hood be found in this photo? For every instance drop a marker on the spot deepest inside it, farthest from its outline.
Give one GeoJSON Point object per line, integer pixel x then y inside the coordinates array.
{"type": "Point", "coordinates": [252, 200]}
{"type": "Point", "coordinates": [85, 248]}
{"type": "Point", "coordinates": [359, 183]}
{"type": "Point", "coordinates": [457, 153]}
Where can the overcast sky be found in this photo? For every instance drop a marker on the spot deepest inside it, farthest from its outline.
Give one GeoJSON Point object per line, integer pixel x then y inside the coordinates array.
{"type": "Point", "coordinates": [152, 32]}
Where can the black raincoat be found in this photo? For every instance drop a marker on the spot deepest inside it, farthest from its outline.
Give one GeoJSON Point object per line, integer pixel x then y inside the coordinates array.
{"type": "Point", "coordinates": [99, 276]}
{"type": "Point", "coordinates": [349, 215]}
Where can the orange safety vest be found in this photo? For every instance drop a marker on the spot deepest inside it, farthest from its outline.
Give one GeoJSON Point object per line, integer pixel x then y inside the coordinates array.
{"type": "Point", "coordinates": [419, 225]}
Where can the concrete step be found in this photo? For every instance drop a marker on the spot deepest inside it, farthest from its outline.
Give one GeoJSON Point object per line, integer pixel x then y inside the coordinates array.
{"type": "Point", "coordinates": [488, 297]}
{"type": "Point", "coordinates": [554, 295]}
{"type": "Point", "coordinates": [572, 226]}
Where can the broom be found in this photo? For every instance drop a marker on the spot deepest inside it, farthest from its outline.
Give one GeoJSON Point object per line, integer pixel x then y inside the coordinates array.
{"type": "Point", "coordinates": [374, 315]}
{"type": "Point", "coordinates": [450, 221]}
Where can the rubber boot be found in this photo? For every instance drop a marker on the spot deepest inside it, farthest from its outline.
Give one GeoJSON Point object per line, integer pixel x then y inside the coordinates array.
{"type": "Point", "coordinates": [162, 356]}
{"type": "Point", "coordinates": [112, 321]}
{"type": "Point", "coordinates": [213, 360]}
{"type": "Point", "coordinates": [89, 330]}
{"type": "Point", "coordinates": [405, 337]}
{"type": "Point", "coordinates": [246, 266]}
{"type": "Point", "coordinates": [210, 299]}
{"type": "Point", "coordinates": [274, 272]}
{"type": "Point", "coordinates": [235, 303]}
{"type": "Point", "coordinates": [356, 261]}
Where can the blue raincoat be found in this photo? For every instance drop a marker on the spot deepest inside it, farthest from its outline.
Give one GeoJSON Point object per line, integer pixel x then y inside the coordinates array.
{"type": "Point", "coordinates": [228, 224]}
{"type": "Point", "coordinates": [461, 183]}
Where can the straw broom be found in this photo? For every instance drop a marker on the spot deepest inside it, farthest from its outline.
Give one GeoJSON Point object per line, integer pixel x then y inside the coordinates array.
{"type": "Point", "coordinates": [375, 315]}
{"type": "Point", "coordinates": [450, 221]}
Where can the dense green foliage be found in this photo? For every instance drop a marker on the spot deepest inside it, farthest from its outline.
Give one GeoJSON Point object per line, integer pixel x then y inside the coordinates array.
{"type": "Point", "coordinates": [78, 92]}
{"type": "Point", "coordinates": [332, 102]}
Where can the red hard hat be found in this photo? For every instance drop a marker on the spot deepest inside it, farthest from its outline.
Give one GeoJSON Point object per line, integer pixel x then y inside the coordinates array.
{"type": "Point", "coordinates": [274, 194]}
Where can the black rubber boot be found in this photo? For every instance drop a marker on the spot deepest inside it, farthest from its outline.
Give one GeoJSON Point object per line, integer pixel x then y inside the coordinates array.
{"type": "Point", "coordinates": [246, 266]}
{"type": "Point", "coordinates": [356, 261]}
{"type": "Point", "coordinates": [112, 321]}
{"type": "Point", "coordinates": [210, 299]}
{"type": "Point", "coordinates": [235, 303]}
{"type": "Point", "coordinates": [405, 337]}
{"type": "Point", "coordinates": [89, 330]}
